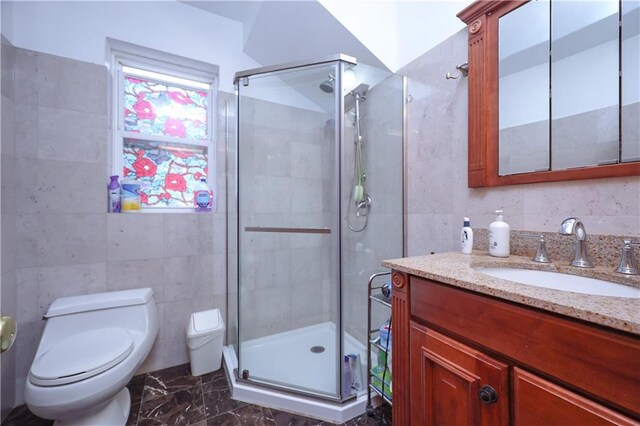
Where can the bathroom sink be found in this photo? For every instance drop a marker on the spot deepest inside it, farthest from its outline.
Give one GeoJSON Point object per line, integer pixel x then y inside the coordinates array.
{"type": "Point", "coordinates": [566, 282]}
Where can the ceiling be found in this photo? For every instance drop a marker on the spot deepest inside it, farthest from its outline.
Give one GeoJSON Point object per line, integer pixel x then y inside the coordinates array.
{"type": "Point", "coordinates": [386, 34]}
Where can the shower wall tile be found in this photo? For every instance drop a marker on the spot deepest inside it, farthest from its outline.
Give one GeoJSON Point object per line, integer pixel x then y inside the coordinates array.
{"type": "Point", "coordinates": [140, 273]}
{"type": "Point", "coordinates": [429, 189]}
{"type": "Point", "coordinates": [69, 280]}
{"type": "Point", "coordinates": [429, 233]}
{"type": "Point", "coordinates": [272, 310]}
{"type": "Point", "coordinates": [26, 130]}
{"type": "Point", "coordinates": [7, 166]}
{"type": "Point", "coordinates": [188, 277]}
{"type": "Point", "coordinates": [219, 274]}
{"type": "Point", "coordinates": [7, 86]}
{"type": "Point", "coordinates": [305, 302]}
{"type": "Point", "coordinates": [188, 234]}
{"type": "Point", "coordinates": [306, 266]}
{"type": "Point", "coordinates": [71, 85]}
{"type": "Point", "coordinates": [26, 77]}
{"type": "Point", "coordinates": [219, 231]}
{"type": "Point", "coordinates": [63, 239]}
{"type": "Point", "coordinates": [271, 268]}
{"type": "Point", "coordinates": [304, 161]}
{"type": "Point", "coordinates": [28, 307]}
{"type": "Point", "coordinates": [272, 153]}
{"type": "Point", "coordinates": [306, 195]}
{"type": "Point", "coordinates": [72, 136]}
{"type": "Point", "coordinates": [59, 187]}
{"type": "Point", "coordinates": [135, 236]}
{"type": "Point", "coordinates": [8, 128]}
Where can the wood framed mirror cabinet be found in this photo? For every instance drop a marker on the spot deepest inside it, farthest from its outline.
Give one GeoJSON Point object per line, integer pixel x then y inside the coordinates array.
{"type": "Point", "coordinates": [554, 90]}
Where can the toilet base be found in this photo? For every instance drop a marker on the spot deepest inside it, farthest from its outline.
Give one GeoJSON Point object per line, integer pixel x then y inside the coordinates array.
{"type": "Point", "coordinates": [116, 412]}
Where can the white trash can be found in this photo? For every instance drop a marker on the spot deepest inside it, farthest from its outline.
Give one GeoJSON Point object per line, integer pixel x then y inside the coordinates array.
{"type": "Point", "coordinates": [204, 337]}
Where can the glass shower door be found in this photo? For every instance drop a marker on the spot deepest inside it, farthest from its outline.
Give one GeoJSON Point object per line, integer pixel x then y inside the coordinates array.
{"type": "Point", "coordinates": [288, 230]}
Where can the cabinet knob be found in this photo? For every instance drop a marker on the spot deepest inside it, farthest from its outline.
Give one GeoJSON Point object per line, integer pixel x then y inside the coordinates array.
{"type": "Point", "coordinates": [488, 395]}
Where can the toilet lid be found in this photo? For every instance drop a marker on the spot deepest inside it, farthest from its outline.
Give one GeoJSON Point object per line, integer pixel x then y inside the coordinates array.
{"type": "Point", "coordinates": [81, 356]}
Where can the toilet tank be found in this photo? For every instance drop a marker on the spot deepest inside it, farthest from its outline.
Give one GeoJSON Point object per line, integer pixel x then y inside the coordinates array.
{"type": "Point", "coordinates": [133, 310]}
{"type": "Point", "coordinates": [98, 301]}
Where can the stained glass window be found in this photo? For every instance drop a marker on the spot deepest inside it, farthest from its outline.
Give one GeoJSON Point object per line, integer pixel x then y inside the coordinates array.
{"type": "Point", "coordinates": [156, 108]}
{"type": "Point", "coordinates": [164, 135]}
{"type": "Point", "coordinates": [167, 173]}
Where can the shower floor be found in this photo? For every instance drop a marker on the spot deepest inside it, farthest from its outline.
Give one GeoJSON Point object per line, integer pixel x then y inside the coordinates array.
{"type": "Point", "coordinates": [286, 359]}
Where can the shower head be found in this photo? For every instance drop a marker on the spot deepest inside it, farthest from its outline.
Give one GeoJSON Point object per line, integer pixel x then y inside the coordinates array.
{"type": "Point", "coordinates": [327, 85]}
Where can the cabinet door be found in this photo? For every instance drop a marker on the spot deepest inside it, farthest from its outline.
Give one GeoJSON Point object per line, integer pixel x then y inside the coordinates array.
{"type": "Point", "coordinates": [539, 402]}
{"type": "Point", "coordinates": [453, 384]}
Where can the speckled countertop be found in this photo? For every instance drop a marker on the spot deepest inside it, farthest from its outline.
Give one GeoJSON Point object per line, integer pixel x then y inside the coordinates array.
{"type": "Point", "coordinates": [458, 269]}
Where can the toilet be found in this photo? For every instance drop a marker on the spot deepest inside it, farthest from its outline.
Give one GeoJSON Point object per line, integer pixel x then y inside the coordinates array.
{"type": "Point", "coordinates": [90, 348]}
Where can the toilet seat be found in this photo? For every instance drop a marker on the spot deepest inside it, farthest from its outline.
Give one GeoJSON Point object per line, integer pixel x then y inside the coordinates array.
{"type": "Point", "coordinates": [81, 356]}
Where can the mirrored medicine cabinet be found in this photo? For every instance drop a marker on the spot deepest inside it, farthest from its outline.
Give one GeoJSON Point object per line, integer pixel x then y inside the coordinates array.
{"type": "Point", "coordinates": [554, 90]}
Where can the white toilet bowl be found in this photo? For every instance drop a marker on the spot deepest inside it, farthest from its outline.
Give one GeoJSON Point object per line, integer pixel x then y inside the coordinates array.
{"type": "Point", "coordinates": [90, 348]}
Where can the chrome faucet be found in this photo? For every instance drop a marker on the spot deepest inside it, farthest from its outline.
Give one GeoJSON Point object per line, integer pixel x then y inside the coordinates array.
{"type": "Point", "coordinates": [573, 226]}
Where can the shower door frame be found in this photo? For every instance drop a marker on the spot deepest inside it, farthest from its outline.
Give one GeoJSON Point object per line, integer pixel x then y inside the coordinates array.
{"type": "Point", "coordinates": [340, 61]}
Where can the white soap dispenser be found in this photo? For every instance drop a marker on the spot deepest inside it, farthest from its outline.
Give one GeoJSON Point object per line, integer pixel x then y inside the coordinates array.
{"type": "Point", "coordinates": [466, 237]}
{"type": "Point", "coordinates": [499, 236]}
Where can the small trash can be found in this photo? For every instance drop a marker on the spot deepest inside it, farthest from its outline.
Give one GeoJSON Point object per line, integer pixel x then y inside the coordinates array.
{"type": "Point", "coordinates": [204, 337]}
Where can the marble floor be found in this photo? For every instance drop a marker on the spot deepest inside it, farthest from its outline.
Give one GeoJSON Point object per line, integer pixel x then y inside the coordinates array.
{"type": "Point", "coordinates": [174, 397]}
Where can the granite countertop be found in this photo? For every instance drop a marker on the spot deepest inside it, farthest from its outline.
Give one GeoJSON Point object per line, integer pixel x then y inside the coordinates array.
{"type": "Point", "coordinates": [457, 269]}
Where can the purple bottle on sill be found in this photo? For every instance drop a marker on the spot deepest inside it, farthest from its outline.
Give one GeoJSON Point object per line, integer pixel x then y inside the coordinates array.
{"type": "Point", "coordinates": [114, 195]}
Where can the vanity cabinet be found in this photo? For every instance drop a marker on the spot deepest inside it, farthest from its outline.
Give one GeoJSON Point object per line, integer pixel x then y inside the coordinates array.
{"type": "Point", "coordinates": [465, 358]}
{"type": "Point", "coordinates": [448, 379]}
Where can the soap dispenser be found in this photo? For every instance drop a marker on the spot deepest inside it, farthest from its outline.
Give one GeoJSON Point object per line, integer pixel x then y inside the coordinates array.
{"type": "Point", "coordinates": [499, 236]}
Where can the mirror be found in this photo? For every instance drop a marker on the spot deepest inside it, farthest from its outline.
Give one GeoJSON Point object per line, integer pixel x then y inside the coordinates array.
{"type": "Point", "coordinates": [554, 92]}
{"type": "Point", "coordinates": [584, 83]}
{"type": "Point", "coordinates": [524, 75]}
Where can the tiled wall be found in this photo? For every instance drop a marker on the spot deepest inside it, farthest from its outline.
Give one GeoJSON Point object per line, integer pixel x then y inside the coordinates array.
{"type": "Point", "coordinates": [66, 242]}
{"type": "Point", "coordinates": [8, 219]}
{"type": "Point", "coordinates": [438, 196]}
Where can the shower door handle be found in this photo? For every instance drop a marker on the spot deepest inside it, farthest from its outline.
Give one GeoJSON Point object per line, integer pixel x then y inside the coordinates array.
{"type": "Point", "coordinates": [288, 230]}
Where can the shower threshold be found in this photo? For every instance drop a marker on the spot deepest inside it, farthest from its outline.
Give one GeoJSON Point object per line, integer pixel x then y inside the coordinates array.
{"type": "Point", "coordinates": [296, 345]}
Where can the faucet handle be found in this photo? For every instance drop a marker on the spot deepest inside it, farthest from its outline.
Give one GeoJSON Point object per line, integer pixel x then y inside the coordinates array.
{"type": "Point", "coordinates": [627, 264]}
{"type": "Point", "coordinates": [541, 250]}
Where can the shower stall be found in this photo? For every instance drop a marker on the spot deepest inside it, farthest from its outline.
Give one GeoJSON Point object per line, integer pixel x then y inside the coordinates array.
{"type": "Point", "coordinates": [315, 203]}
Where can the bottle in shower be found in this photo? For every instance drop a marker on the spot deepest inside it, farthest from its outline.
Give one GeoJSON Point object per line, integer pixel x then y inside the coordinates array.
{"type": "Point", "coordinates": [114, 195]}
{"type": "Point", "coordinates": [346, 379]}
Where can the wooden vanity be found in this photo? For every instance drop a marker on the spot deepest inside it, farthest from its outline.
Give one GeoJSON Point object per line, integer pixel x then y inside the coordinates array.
{"type": "Point", "coordinates": [465, 356]}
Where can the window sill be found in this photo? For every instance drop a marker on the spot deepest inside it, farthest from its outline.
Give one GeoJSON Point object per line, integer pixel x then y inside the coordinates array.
{"type": "Point", "coordinates": [170, 211]}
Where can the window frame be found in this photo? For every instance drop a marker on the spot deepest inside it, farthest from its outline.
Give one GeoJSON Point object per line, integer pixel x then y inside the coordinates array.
{"type": "Point", "coordinates": [126, 54]}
